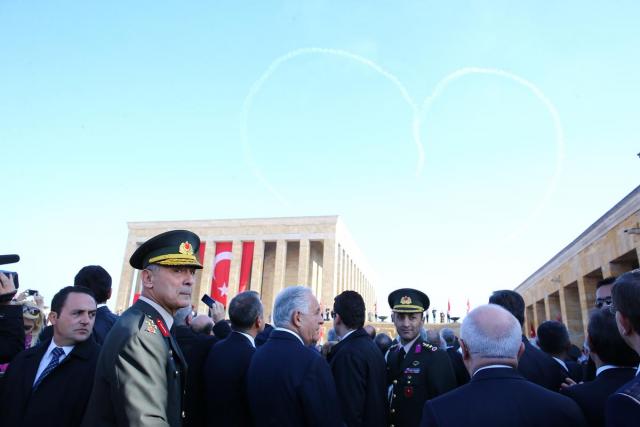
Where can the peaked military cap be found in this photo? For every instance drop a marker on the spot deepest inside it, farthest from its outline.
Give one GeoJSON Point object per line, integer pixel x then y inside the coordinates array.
{"type": "Point", "coordinates": [173, 248]}
{"type": "Point", "coordinates": [407, 300]}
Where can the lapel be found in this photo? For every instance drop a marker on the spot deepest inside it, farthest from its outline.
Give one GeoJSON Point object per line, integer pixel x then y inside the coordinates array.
{"type": "Point", "coordinates": [407, 362]}
{"type": "Point", "coordinates": [32, 362]}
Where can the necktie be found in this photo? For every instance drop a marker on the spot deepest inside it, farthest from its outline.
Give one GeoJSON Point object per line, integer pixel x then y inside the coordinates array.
{"type": "Point", "coordinates": [55, 355]}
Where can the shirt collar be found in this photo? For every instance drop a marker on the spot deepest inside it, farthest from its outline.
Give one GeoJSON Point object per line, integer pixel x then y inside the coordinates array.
{"type": "Point", "coordinates": [492, 367]}
{"type": "Point", "coordinates": [561, 362]}
{"type": "Point", "coordinates": [603, 368]}
{"type": "Point", "coordinates": [408, 345]}
{"type": "Point", "coordinates": [347, 334]}
{"type": "Point", "coordinates": [67, 349]}
{"type": "Point", "coordinates": [249, 337]}
{"type": "Point", "coordinates": [291, 332]}
{"type": "Point", "coordinates": [168, 318]}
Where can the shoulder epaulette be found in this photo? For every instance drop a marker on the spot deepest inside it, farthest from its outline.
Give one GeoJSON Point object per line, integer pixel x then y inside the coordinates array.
{"type": "Point", "coordinates": [429, 346]}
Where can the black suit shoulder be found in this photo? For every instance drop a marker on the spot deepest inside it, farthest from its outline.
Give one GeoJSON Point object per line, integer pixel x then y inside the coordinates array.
{"type": "Point", "coordinates": [623, 406]}
{"type": "Point", "coordinates": [11, 332]}
{"type": "Point", "coordinates": [540, 368]}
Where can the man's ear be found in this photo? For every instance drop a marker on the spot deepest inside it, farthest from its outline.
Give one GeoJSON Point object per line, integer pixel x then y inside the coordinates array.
{"type": "Point", "coordinates": [296, 319]}
{"type": "Point", "coordinates": [466, 354]}
{"type": "Point", "coordinates": [147, 276]}
{"type": "Point", "coordinates": [521, 350]}
{"type": "Point", "coordinates": [624, 325]}
{"type": "Point", "coordinates": [53, 317]}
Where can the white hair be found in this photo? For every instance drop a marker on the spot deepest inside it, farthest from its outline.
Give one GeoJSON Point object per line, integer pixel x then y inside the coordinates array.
{"type": "Point", "coordinates": [288, 301]}
{"type": "Point", "coordinates": [490, 331]}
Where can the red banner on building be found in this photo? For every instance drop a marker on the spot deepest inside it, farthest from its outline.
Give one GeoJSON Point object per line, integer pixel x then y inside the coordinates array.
{"type": "Point", "coordinates": [203, 246]}
{"type": "Point", "coordinates": [221, 268]}
{"type": "Point", "coordinates": [245, 266]}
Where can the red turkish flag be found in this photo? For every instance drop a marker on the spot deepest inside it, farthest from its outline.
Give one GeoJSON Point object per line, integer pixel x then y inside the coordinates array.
{"type": "Point", "coordinates": [245, 266]}
{"type": "Point", "coordinates": [449, 306]}
{"type": "Point", "coordinates": [468, 306]}
{"type": "Point", "coordinates": [221, 268]}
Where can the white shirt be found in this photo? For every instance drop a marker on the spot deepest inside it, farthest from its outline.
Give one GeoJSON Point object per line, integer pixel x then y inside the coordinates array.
{"type": "Point", "coordinates": [603, 368]}
{"type": "Point", "coordinates": [347, 334]}
{"type": "Point", "coordinates": [166, 316]}
{"type": "Point", "coordinates": [491, 367]}
{"type": "Point", "coordinates": [561, 362]}
{"type": "Point", "coordinates": [291, 332]}
{"type": "Point", "coordinates": [249, 337]}
{"type": "Point", "coordinates": [408, 345]}
{"type": "Point", "coordinates": [47, 357]}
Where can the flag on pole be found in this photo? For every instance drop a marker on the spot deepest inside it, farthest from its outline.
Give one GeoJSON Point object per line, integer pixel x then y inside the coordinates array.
{"type": "Point", "coordinates": [221, 268]}
{"type": "Point", "coordinates": [468, 306]}
{"type": "Point", "coordinates": [448, 306]}
{"type": "Point", "coordinates": [245, 266]}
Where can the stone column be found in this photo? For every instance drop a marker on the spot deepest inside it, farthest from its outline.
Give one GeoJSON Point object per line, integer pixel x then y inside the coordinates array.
{"type": "Point", "coordinates": [328, 272]}
{"type": "Point", "coordinates": [584, 309]}
{"type": "Point", "coordinates": [563, 305]}
{"type": "Point", "coordinates": [303, 262]}
{"type": "Point", "coordinates": [278, 273]}
{"type": "Point", "coordinates": [256, 267]}
{"type": "Point", "coordinates": [547, 308]}
{"type": "Point", "coordinates": [126, 277]}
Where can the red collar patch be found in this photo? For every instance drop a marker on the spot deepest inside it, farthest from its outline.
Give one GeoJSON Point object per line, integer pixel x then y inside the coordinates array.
{"type": "Point", "coordinates": [163, 328]}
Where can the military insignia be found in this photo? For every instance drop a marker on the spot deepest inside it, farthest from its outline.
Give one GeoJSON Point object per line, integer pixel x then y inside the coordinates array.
{"type": "Point", "coordinates": [151, 327]}
{"type": "Point", "coordinates": [414, 371]}
{"type": "Point", "coordinates": [185, 248]}
{"type": "Point", "coordinates": [415, 363]}
{"type": "Point", "coordinates": [408, 392]}
{"type": "Point", "coordinates": [418, 349]}
{"type": "Point", "coordinates": [162, 327]}
{"type": "Point", "coordinates": [405, 300]}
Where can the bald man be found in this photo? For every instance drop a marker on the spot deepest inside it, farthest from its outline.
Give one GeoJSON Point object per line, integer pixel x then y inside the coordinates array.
{"type": "Point", "coordinates": [497, 395]}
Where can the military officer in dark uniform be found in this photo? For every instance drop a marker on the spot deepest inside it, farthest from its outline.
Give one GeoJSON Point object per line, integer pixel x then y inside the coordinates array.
{"type": "Point", "coordinates": [141, 370]}
{"type": "Point", "coordinates": [416, 370]}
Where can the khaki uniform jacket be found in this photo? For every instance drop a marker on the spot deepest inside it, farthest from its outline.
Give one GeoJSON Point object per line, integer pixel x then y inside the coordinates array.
{"type": "Point", "coordinates": [140, 374]}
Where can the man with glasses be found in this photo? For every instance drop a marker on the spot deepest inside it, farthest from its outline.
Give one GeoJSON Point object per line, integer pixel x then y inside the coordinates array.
{"type": "Point", "coordinates": [623, 407]}
{"type": "Point", "coordinates": [603, 292]}
{"type": "Point", "coordinates": [140, 376]}
{"type": "Point", "coordinates": [288, 382]}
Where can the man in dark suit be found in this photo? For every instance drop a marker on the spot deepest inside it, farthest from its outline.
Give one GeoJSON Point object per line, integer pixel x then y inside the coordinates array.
{"type": "Point", "coordinates": [534, 365]}
{"type": "Point", "coordinates": [615, 365]}
{"type": "Point", "coordinates": [289, 383]}
{"type": "Point", "coordinates": [416, 370]}
{"type": "Point", "coordinates": [50, 383]}
{"type": "Point", "coordinates": [225, 369]}
{"type": "Point", "coordinates": [141, 370]}
{"type": "Point", "coordinates": [497, 395]}
{"type": "Point", "coordinates": [553, 339]}
{"type": "Point", "coordinates": [462, 375]}
{"type": "Point", "coordinates": [98, 280]}
{"type": "Point", "coordinates": [358, 366]}
{"type": "Point", "coordinates": [623, 407]}
{"type": "Point", "coordinates": [195, 348]}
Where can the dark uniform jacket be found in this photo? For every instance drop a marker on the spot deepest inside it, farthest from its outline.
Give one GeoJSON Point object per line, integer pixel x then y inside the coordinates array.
{"type": "Point", "coordinates": [11, 332]}
{"type": "Point", "coordinates": [225, 382]}
{"type": "Point", "coordinates": [501, 397]}
{"type": "Point", "coordinates": [290, 384]}
{"type": "Point", "coordinates": [105, 320]}
{"type": "Point", "coordinates": [623, 406]}
{"type": "Point", "coordinates": [540, 368]}
{"type": "Point", "coordinates": [359, 372]}
{"type": "Point", "coordinates": [592, 396]}
{"type": "Point", "coordinates": [139, 374]}
{"type": "Point", "coordinates": [61, 397]}
{"type": "Point", "coordinates": [424, 373]}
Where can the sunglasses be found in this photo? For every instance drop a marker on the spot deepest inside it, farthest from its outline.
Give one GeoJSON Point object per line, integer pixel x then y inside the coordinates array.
{"type": "Point", "coordinates": [33, 311]}
{"type": "Point", "coordinates": [600, 302]}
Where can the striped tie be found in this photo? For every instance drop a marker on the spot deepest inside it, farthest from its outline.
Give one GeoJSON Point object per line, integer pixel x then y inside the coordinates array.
{"type": "Point", "coordinates": [55, 355]}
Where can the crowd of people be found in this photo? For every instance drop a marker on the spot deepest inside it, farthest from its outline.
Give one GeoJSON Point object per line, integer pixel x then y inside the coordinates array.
{"type": "Point", "coordinates": [160, 364]}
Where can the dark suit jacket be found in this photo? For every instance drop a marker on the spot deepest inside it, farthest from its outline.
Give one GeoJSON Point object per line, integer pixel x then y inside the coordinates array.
{"type": "Point", "coordinates": [11, 332]}
{"type": "Point", "coordinates": [289, 384]}
{"type": "Point", "coordinates": [225, 380]}
{"type": "Point", "coordinates": [424, 373]}
{"type": "Point", "coordinates": [105, 320]}
{"type": "Point", "coordinates": [462, 375]}
{"type": "Point", "coordinates": [623, 406]}
{"type": "Point", "coordinates": [195, 348]}
{"type": "Point", "coordinates": [592, 396]}
{"type": "Point", "coordinates": [263, 336]}
{"type": "Point", "coordinates": [139, 377]}
{"type": "Point", "coordinates": [61, 397]}
{"type": "Point", "coordinates": [359, 372]}
{"type": "Point", "coordinates": [538, 367]}
{"type": "Point", "coordinates": [501, 397]}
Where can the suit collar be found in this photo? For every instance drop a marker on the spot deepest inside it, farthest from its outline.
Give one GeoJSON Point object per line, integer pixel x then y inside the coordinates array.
{"type": "Point", "coordinates": [244, 336]}
{"type": "Point", "coordinates": [286, 334]}
{"type": "Point", "coordinates": [166, 316]}
{"type": "Point", "coordinates": [496, 373]}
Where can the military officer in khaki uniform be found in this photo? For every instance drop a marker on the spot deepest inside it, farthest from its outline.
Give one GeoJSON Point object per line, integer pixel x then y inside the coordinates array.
{"type": "Point", "coordinates": [416, 370]}
{"type": "Point", "coordinates": [141, 370]}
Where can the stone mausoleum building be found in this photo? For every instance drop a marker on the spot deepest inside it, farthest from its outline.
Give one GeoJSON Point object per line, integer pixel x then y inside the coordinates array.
{"type": "Point", "coordinates": [264, 255]}
{"type": "Point", "coordinates": [564, 288]}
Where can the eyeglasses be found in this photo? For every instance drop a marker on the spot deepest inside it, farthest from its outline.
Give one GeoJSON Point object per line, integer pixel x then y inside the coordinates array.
{"type": "Point", "coordinates": [612, 308]}
{"type": "Point", "coordinates": [33, 311]}
{"type": "Point", "coordinates": [600, 302]}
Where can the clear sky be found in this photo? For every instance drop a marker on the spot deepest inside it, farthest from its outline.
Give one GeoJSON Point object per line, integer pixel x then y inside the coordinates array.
{"type": "Point", "coordinates": [137, 111]}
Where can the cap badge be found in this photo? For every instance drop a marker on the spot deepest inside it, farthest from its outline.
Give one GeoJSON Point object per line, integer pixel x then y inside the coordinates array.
{"type": "Point", "coordinates": [405, 300]}
{"type": "Point", "coordinates": [186, 248]}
